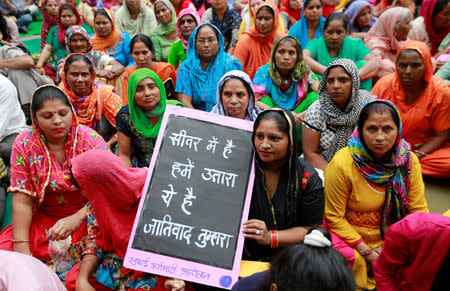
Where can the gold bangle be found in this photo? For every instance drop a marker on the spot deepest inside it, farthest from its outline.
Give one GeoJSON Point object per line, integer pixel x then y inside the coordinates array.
{"type": "Point", "coordinates": [20, 241]}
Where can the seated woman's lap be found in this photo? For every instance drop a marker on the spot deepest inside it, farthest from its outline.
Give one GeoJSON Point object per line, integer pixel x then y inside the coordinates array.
{"type": "Point", "coordinates": [437, 164]}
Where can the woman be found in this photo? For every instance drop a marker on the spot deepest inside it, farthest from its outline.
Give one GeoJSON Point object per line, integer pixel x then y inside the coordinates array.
{"type": "Point", "coordinates": [165, 34]}
{"type": "Point", "coordinates": [78, 41]}
{"type": "Point", "coordinates": [433, 24]}
{"type": "Point", "coordinates": [330, 121]}
{"type": "Point", "coordinates": [336, 44]}
{"type": "Point", "coordinates": [142, 51]}
{"type": "Point", "coordinates": [372, 183]}
{"type": "Point", "coordinates": [201, 5]}
{"type": "Point", "coordinates": [55, 44]}
{"type": "Point", "coordinates": [9, 33]}
{"type": "Point", "coordinates": [235, 96]}
{"type": "Point", "coordinates": [423, 101]}
{"type": "Point", "coordinates": [135, 17]}
{"type": "Point", "coordinates": [311, 24]}
{"type": "Point", "coordinates": [109, 39]}
{"type": "Point", "coordinates": [227, 19]}
{"type": "Point", "coordinates": [188, 20]}
{"type": "Point", "coordinates": [206, 63]}
{"type": "Point", "coordinates": [46, 205]}
{"type": "Point", "coordinates": [286, 82]}
{"type": "Point", "coordinates": [49, 9]}
{"type": "Point", "coordinates": [138, 122]}
{"type": "Point", "coordinates": [361, 18]}
{"type": "Point", "coordinates": [310, 265]}
{"type": "Point", "coordinates": [85, 10]}
{"type": "Point", "coordinates": [254, 47]}
{"type": "Point", "coordinates": [291, 12]}
{"type": "Point", "coordinates": [287, 192]}
{"type": "Point", "coordinates": [248, 17]}
{"type": "Point", "coordinates": [113, 203]}
{"type": "Point", "coordinates": [387, 36]}
{"type": "Point", "coordinates": [96, 105]}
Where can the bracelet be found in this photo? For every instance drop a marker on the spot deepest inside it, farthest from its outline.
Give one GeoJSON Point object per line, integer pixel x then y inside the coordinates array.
{"type": "Point", "coordinates": [274, 240]}
{"type": "Point", "coordinates": [366, 252]}
{"type": "Point", "coordinates": [421, 153]}
{"type": "Point", "coordinates": [20, 241]}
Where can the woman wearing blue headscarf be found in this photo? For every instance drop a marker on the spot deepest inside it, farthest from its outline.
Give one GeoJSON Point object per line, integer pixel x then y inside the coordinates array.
{"type": "Point", "coordinates": [206, 63]}
{"type": "Point", "coordinates": [361, 19]}
{"type": "Point", "coordinates": [310, 25]}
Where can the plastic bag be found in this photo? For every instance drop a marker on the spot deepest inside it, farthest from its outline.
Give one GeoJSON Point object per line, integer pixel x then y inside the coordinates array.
{"type": "Point", "coordinates": [59, 252]}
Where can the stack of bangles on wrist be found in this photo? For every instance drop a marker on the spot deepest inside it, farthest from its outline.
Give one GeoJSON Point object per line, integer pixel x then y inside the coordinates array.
{"type": "Point", "coordinates": [421, 153]}
{"type": "Point", "coordinates": [368, 252]}
{"type": "Point", "coordinates": [274, 239]}
{"type": "Point", "coordinates": [20, 240]}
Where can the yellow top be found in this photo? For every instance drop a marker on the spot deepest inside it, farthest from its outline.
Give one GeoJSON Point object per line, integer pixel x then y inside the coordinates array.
{"type": "Point", "coordinates": [353, 205]}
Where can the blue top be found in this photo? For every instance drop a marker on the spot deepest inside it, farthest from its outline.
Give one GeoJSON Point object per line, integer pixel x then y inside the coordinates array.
{"type": "Point", "coordinates": [122, 51]}
{"type": "Point", "coordinates": [300, 29]}
{"type": "Point", "coordinates": [201, 85]}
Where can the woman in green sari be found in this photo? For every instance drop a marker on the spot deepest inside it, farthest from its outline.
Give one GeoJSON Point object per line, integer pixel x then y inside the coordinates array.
{"type": "Point", "coordinates": [286, 82]}
{"type": "Point", "coordinates": [138, 122]}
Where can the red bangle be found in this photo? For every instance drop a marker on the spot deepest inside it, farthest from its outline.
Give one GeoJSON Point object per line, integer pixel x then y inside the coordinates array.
{"type": "Point", "coordinates": [274, 240]}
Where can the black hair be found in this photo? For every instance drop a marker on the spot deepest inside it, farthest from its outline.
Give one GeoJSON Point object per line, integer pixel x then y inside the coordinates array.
{"type": "Point", "coordinates": [66, 7]}
{"type": "Point", "coordinates": [305, 4]}
{"type": "Point", "coordinates": [4, 28]}
{"type": "Point", "coordinates": [102, 11]}
{"type": "Point", "coordinates": [377, 106]}
{"type": "Point", "coordinates": [207, 25]}
{"type": "Point", "coordinates": [337, 16]}
{"type": "Point", "coordinates": [78, 57]}
{"type": "Point", "coordinates": [246, 85]}
{"type": "Point", "coordinates": [281, 121]}
{"type": "Point", "coordinates": [145, 39]}
{"type": "Point", "coordinates": [44, 93]}
{"type": "Point", "coordinates": [347, 5]}
{"type": "Point", "coordinates": [266, 8]}
{"type": "Point", "coordinates": [303, 267]}
{"type": "Point", "coordinates": [440, 4]}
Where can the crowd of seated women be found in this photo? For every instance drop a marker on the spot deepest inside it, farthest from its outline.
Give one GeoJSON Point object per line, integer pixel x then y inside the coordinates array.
{"type": "Point", "coordinates": [350, 109]}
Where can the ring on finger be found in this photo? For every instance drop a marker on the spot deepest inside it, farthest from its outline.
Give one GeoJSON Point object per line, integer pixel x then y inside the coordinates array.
{"type": "Point", "coordinates": [257, 232]}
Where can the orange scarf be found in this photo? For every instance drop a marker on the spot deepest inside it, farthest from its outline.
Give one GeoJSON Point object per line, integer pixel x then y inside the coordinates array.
{"type": "Point", "coordinates": [102, 44]}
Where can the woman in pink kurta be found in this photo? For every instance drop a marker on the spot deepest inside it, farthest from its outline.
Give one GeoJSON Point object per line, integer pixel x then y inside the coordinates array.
{"type": "Point", "coordinates": [46, 204]}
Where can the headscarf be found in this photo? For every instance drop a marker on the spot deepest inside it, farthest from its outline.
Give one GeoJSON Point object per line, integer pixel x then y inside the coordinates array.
{"type": "Point", "coordinates": [165, 29]}
{"type": "Point", "coordinates": [300, 30]}
{"type": "Point", "coordinates": [346, 120]}
{"type": "Point", "coordinates": [185, 4]}
{"type": "Point", "coordinates": [102, 44]}
{"type": "Point", "coordinates": [291, 164]}
{"type": "Point", "coordinates": [263, 38]}
{"type": "Point", "coordinates": [143, 24]}
{"type": "Point", "coordinates": [114, 193]}
{"type": "Point", "coordinates": [393, 174]}
{"type": "Point", "coordinates": [426, 11]}
{"type": "Point", "coordinates": [204, 83]}
{"type": "Point", "coordinates": [297, 73]}
{"type": "Point", "coordinates": [34, 154]}
{"type": "Point", "coordinates": [76, 29]}
{"type": "Point", "coordinates": [252, 111]}
{"type": "Point", "coordinates": [61, 29]}
{"type": "Point", "coordinates": [287, 94]}
{"type": "Point", "coordinates": [138, 116]}
{"type": "Point", "coordinates": [381, 34]}
{"type": "Point", "coordinates": [89, 109]}
{"type": "Point", "coordinates": [48, 21]}
{"type": "Point", "coordinates": [294, 15]}
{"type": "Point", "coordinates": [193, 13]}
{"type": "Point", "coordinates": [352, 13]}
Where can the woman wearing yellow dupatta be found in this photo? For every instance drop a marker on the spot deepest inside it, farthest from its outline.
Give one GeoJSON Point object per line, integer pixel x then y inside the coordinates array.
{"type": "Point", "coordinates": [96, 105]}
{"type": "Point", "coordinates": [165, 34]}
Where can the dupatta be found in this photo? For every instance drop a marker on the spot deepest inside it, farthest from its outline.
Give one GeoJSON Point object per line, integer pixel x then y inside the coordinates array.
{"type": "Point", "coordinates": [102, 44]}
{"type": "Point", "coordinates": [165, 29]}
{"type": "Point", "coordinates": [61, 34]}
{"type": "Point", "coordinates": [426, 11]}
{"type": "Point", "coordinates": [193, 13]}
{"type": "Point", "coordinates": [48, 21]}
